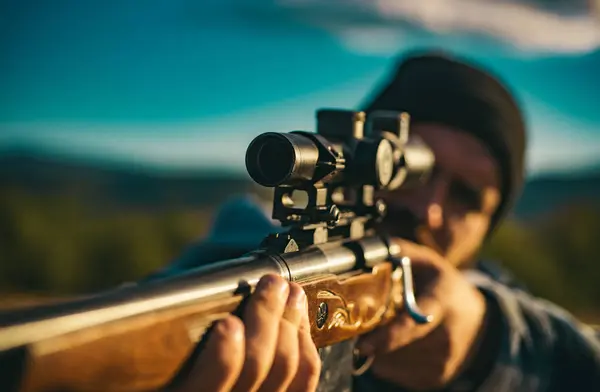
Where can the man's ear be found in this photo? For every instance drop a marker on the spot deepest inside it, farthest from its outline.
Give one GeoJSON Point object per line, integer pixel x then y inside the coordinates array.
{"type": "Point", "coordinates": [490, 200]}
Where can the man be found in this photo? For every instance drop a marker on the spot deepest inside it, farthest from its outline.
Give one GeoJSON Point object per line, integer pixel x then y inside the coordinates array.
{"type": "Point", "coordinates": [487, 334]}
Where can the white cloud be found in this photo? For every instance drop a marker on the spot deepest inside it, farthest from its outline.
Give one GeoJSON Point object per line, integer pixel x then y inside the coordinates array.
{"type": "Point", "coordinates": [168, 146]}
{"type": "Point", "coordinates": [371, 41]}
{"type": "Point", "coordinates": [378, 26]}
{"type": "Point", "coordinates": [562, 152]}
{"type": "Point", "coordinates": [557, 142]}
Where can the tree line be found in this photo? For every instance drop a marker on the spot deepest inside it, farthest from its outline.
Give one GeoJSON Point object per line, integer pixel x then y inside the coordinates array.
{"type": "Point", "coordinates": [60, 246]}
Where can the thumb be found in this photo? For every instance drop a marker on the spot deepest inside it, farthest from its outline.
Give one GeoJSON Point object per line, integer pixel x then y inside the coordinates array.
{"type": "Point", "coordinates": [417, 252]}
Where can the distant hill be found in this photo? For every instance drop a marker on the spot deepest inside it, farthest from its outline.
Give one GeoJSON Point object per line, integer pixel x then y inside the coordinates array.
{"type": "Point", "coordinates": [546, 193]}
{"type": "Point", "coordinates": [126, 187]}
{"type": "Point", "coordinates": [119, 187]}
{"type": "Point", "coordinates": [70, 228]}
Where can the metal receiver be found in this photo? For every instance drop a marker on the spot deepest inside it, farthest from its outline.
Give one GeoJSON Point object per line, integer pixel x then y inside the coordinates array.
{"type": "Point", "coordinates": [338, 170]}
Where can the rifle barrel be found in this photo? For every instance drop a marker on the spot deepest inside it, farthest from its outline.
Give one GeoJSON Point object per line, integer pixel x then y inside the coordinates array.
{"type": "Point", "coordinates": [203, 284]}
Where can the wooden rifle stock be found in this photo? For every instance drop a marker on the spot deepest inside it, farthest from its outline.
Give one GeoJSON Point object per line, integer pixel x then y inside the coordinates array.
{"type": "Point", "coordinates": [76, 349]}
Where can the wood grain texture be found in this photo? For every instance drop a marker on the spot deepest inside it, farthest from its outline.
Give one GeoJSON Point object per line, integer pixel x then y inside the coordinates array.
{"type": "Point", "coordinates": [354, 306]}
{"type": "Point", "coordinates": [139, 354]}
{"type": "Point", "coordinates": [144, 353]}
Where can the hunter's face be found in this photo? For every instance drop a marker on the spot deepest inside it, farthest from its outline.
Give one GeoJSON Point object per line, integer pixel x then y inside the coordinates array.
{"type": "Point", "coordinates": [455, 207]}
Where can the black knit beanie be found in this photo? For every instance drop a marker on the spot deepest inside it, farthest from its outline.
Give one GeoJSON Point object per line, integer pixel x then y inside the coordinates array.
{"type": "Point", "coordinates": [437, 88]}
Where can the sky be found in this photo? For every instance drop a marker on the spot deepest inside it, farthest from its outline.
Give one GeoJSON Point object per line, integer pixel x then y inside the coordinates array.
{"type": "Point", "coordinates": [185, 84]}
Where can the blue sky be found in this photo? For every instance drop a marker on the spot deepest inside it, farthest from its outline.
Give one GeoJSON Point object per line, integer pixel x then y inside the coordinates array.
{"type": "Point", "coordinates": [184, 84]}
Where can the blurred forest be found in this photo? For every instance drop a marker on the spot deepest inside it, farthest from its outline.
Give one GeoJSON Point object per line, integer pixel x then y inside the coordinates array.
{"type": "Point", "coordinates": [67, 229]}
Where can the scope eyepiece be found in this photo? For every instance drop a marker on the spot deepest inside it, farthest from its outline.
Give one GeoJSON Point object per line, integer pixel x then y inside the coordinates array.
{"type": "Point", "coordinates": [274, 159]}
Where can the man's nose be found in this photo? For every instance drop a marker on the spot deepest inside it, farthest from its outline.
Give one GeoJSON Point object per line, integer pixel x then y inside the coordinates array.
{"type": "Point", "coordinates": [435, 216]}
{"type": "Point", "coordinates": [432, 204]}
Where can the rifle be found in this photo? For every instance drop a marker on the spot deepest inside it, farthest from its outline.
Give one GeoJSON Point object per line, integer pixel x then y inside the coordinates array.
{"type": "Point", "coordinates": [139, 337]}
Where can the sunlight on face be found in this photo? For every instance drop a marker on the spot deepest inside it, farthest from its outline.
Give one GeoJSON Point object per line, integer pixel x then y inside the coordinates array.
{"type": "Point", "coordinates": [455, 207]}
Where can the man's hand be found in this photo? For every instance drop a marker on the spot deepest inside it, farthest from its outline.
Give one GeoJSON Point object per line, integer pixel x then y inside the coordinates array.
{"type": "Point", "coordinates": [428, 356]}
{"type": "Point", "coordinates": [270, 350]}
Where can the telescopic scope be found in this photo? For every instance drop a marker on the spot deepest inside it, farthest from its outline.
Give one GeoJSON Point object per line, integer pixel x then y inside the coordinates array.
{"type": "Point", "coordinates": [348, 149]}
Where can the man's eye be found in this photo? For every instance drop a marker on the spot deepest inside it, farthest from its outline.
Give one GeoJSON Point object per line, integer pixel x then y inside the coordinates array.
{"type": "Point", "coordinates": [465, 195]}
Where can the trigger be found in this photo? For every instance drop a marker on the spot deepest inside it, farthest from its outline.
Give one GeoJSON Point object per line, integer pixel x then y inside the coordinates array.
{"type": "Point", "coordinates": [403, 266]}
